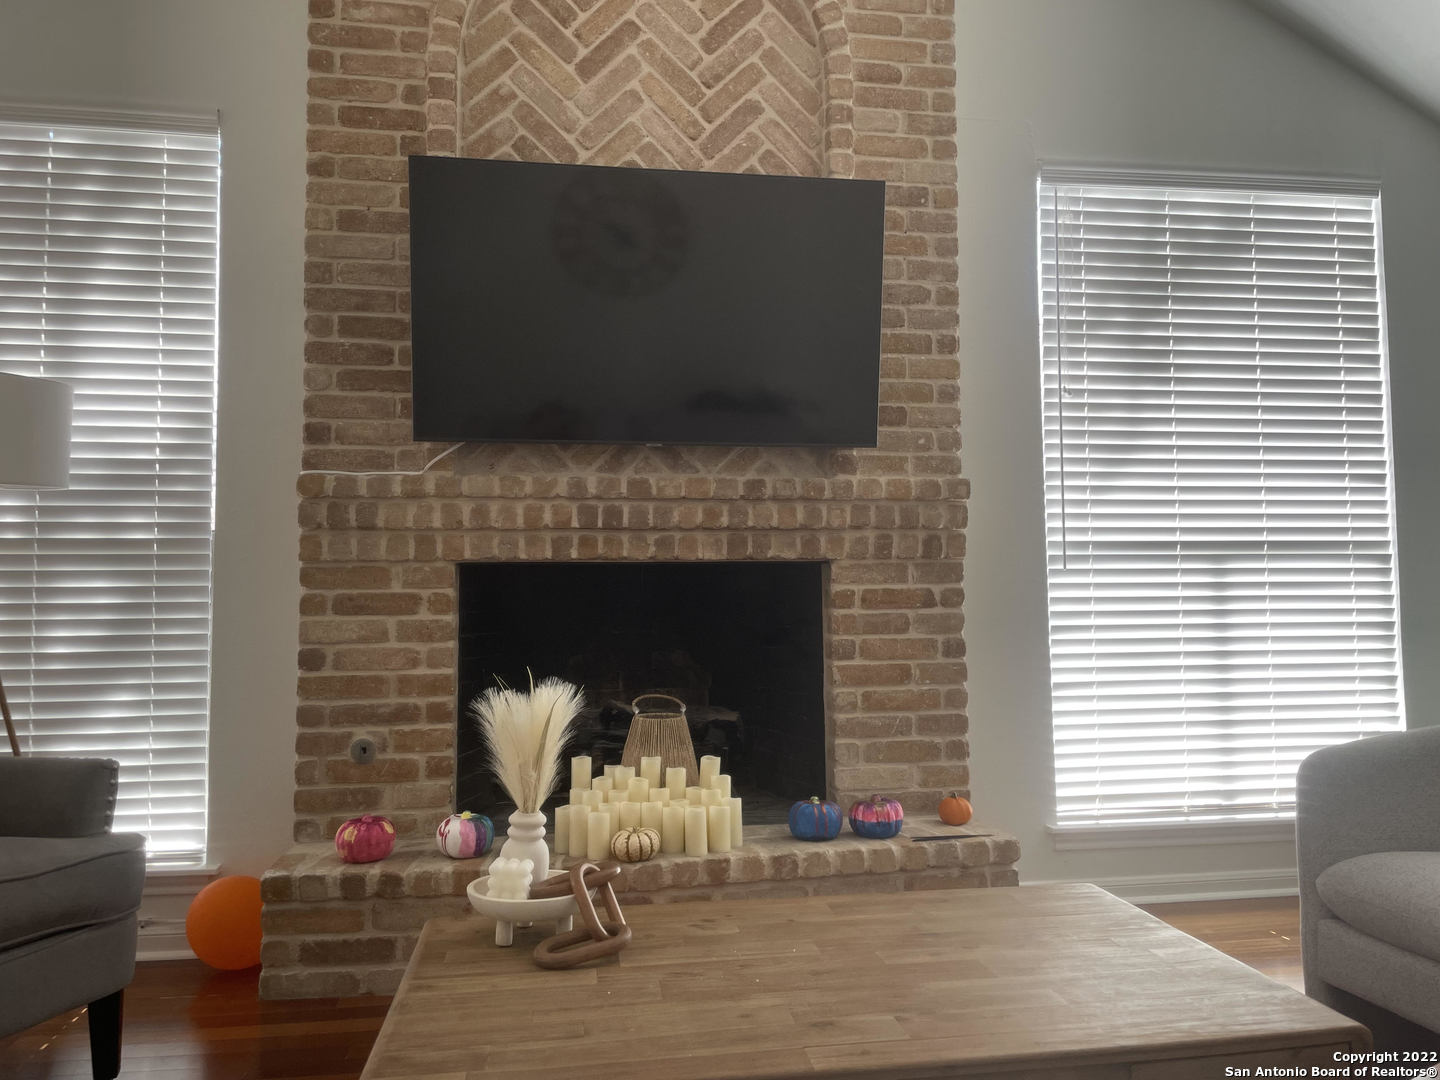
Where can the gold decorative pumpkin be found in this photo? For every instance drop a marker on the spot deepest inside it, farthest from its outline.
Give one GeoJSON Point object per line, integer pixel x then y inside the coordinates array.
{"type": "Point", "coordinates": [635, 844]}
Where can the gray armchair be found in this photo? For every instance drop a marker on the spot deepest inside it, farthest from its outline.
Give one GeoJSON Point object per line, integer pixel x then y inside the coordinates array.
{"type": "Point", "coordinates": [69, 893]}
{"type": "Point", "coordinates": [1368, 836]}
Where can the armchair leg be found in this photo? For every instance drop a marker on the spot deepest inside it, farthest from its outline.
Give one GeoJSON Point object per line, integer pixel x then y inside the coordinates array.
{"type": "Point", "coordinates": [106, 1019]}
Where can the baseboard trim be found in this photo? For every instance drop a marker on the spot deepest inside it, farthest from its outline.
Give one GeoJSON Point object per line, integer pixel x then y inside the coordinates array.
{"type": "Point", "coordinates": [163, 908]}
{"type": "Point", "coordinates": [1210, 885]}
{"type": "Point", "coordinates": [162, 939]}
{"type": "Point", "coordinates": [144, 955]}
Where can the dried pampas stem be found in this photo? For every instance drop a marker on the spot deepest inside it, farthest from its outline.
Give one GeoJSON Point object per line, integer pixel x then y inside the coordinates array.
{"type": "Point", "coordinates": [526, 734]}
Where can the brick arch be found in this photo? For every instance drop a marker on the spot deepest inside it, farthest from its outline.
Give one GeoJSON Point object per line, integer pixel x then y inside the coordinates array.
{"type": "Point", "coordinates": [757, 85]}
{"type": "Point", "coordinates": [724, 85]}
{"type": "Point", "coordinates": [442, 67]}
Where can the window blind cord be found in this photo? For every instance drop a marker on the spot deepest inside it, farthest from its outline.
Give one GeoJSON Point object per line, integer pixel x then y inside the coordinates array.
{"type": "Point", "coordinates": [1060, 316]}
{"type": "Point", "coordinates": [418, 472]}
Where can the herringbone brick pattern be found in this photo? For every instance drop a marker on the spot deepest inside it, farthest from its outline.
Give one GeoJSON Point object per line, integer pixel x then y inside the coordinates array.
{"type": "Point", "coordinates": [722, 85]}
{"type": "Point", "coordinates": [728, 85]}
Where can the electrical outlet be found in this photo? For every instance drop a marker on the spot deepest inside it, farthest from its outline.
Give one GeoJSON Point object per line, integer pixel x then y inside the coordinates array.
{"type": "Point", "coordinates": [362, 752]}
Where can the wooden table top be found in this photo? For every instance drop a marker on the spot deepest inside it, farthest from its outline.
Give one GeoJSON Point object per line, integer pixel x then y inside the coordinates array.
{"type": "Point", "coordinates": [1042, 981]}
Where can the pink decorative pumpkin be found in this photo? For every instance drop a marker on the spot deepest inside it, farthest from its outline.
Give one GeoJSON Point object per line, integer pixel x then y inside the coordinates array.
{"type": "Point", "coordinates": [878, 819]}
{"type": "Point", "coordinates": [365, 839]}
{"type": "Point", "coordinates": [465, 835]}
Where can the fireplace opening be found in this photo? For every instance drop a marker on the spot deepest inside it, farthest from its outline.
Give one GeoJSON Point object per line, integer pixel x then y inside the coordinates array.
{"type": "Point", "coordinates": [740, 643]}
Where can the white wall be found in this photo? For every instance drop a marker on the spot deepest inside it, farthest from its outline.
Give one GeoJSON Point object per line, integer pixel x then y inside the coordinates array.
{"type": "Point", "coordinates": [246, 60]}
{"type": "Point", "coordinates": [1199, 84]}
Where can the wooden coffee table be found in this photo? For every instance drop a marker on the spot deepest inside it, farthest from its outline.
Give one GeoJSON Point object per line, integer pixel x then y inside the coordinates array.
{"type": "Point", "coordinates": [1045, 981]}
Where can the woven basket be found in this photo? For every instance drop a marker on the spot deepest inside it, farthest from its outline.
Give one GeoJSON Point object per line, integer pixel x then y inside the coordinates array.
{"type": "Point", "coordinates": [662, 733]}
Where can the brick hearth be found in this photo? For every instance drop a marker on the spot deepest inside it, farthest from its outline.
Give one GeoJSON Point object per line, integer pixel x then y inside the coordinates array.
{"type": "Point", "coordinates": [333, 929]}
{"type": "Point", "coordinates": [862, 88]}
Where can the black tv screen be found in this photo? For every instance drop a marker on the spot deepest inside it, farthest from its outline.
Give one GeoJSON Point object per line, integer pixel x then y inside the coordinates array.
{"type": "Point", "coordinates": [578, 303]}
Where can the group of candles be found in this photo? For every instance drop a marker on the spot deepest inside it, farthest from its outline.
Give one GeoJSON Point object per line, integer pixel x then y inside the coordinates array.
{"type": "Point", "coordinates": [693, 819]}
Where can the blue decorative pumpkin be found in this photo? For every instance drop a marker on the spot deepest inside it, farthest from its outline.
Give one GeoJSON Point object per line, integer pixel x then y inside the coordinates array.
{"type": "Point", "coordinates": [878, 818]}
{"type": "Point", "coordinates": [815, 819]}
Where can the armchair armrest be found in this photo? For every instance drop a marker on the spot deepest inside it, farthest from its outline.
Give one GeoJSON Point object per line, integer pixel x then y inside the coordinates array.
{"type": "Point", "coordinates": [1376, 794]}
{"type": "Point", "coordinates": [57, 796]}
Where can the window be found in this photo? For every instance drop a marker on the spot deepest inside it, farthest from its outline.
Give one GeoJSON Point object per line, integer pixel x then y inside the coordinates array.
{"type": "Point", "coordinates": [108, 233]}
{"type": "Point", "coordinates": [1217, 491]}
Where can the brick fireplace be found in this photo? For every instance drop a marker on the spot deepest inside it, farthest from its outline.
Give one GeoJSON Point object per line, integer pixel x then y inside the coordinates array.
{"type": "Point", "coordinates": [860, 88]}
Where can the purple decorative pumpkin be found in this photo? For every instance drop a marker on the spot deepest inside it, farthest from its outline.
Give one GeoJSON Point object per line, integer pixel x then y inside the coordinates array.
{"type": "Point", "coordinates": [878, 819]}
{"type": "Point", "coordinates": [815, 819]}
{"type": "Point", "coordinates": [465, 835]}
{"type": "Point", "coordinates": [368, 838]}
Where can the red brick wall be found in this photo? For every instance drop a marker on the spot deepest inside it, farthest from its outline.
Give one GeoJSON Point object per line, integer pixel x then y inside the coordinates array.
{"type": "Point", "coordinates": [862, 88]}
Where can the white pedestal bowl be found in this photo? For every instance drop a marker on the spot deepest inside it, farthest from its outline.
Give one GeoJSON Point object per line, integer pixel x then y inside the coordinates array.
{"type": "Point", "coordinates": [509, 914]}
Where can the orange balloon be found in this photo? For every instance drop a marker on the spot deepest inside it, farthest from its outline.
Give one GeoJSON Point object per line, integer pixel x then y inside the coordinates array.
{"type": "Point", "coordinates": [223, 923]}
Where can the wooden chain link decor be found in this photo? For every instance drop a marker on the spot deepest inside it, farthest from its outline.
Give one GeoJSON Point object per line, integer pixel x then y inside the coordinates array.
{"type": "Point", "coordinates": [598, 937]}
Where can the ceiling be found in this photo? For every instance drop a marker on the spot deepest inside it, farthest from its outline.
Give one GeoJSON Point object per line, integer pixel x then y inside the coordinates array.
{"type": "Point", "coordinates": [1395, 42]}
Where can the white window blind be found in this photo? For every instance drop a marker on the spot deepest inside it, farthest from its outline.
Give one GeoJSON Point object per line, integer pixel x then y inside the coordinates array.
{"type": "Point", "coordinates": [1217, 492]}
{"type": "Point", "coordinates": [108, 234]}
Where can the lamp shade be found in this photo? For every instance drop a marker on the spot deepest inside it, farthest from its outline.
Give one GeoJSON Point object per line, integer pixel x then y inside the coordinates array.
{"type": "Point", "coordinates": [34, 432]}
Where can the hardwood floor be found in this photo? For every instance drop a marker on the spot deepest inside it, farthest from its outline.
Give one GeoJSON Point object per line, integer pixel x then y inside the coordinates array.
{"type": "Point", "coordinates": [1262, 933]}
{"type": "Point", "coordinates": [183, 1021]}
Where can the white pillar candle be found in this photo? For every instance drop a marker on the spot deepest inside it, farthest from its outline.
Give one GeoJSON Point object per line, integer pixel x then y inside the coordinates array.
{"type": "Point", "coordinates": [594, 798]}
{"type": "Point", "coordinates": [650, 770]}
{"type": "Point", "coordinates": [695, 831]}
{"type": "Point", "coordinates": [652, 816]}
{"type": "Point", "coordinates": [683, 804]}
{"type": "Point", "coordinates": [603, 783]}
{"type": "Point", "coordinates": [562, 829]}
{"type": "Point", "coordinates": [613, 797]}
{"type": "Point", "coordinates": [675, 781]}
{"type": "Point", "coordinates": [721, 784]}
{"type": "Point", "coordinates": [692, 794]}
{"type": "Point", "coordinates": [610, 771]}
{"type": "Point", "coordinates": [630, 814]}
{"type": "Point", "coordinates": [737, 822]}
{"type": "Point", "coordinates": [577, 795]}
{"type": "Point", "coordinates": [717, 825]}
{"type": "Point", "coordinates": [612, 814]}
{"type": "Point", "coordinates": [660, 795]}
{"type": "Point", "coordinates": [709, 769]}
{"type": "Point", "coordinates": [579, 830]}
{"type": "Point", "coordinates": [608, 824]}
{"type": "Point", "coordinates": [710, 797]}
{"type": "Point", "coordinates": [624, 774]}
{"type": "Point", "coordinates": [672, 830]}
{"type": "Point", "coordinates": [597, 844]}
{"type": "Point", "coordinates": [580, 771]}
{"type": "Point", "coordinates": [639, 789]}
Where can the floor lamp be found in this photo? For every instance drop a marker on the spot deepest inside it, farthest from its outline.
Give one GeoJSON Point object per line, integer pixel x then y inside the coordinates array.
{"type": "Point", "coordinates": [34, 454]}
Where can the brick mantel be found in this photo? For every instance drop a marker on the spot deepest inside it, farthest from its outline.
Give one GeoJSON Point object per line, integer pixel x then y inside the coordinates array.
{"type": "Point", "coordinates": [862, 89]}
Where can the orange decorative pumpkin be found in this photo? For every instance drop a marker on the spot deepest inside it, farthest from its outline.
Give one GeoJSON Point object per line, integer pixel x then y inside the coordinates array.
{"type": "Point", "coordinates": [954, 810]}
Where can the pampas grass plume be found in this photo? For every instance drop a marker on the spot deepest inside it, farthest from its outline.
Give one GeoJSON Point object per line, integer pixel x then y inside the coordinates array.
{"type": "Point", "coordinates": [526, 733]}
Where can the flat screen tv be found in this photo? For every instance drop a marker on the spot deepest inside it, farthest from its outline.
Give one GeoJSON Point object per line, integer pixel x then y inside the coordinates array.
{"type": "Point", "coordinates": [577, 303]}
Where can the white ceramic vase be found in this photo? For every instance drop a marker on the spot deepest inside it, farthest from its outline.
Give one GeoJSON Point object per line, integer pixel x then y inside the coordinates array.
{"type": "Point", "coordinates": [526, 840]}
